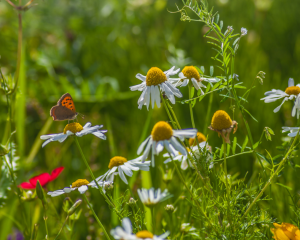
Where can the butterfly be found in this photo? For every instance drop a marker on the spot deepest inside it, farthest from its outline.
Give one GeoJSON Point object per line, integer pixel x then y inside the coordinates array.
{"type": "Point", "coordinates": [64, 110]}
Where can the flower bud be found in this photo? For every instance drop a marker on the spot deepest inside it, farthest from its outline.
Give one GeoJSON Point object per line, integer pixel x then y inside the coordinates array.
{"type": "Point", "coordinates": [73, 208]}
{"type": "Point", "coordinates": [169, 208]}
{"type": "Point", "coordinates": [40, 192]}
{"type": "Point", "coordinates": [3, 150]}
{"type": "Point", "coordinates": [132, 202]}
{"type": "Point", "coordinates": [108, 186]}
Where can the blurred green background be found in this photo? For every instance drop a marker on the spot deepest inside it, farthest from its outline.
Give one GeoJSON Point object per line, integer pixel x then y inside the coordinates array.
{"type": "Point", "coordinates": [94, 49]}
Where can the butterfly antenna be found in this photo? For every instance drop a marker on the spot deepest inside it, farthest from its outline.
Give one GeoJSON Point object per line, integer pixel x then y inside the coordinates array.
{"type": "Point", "coordinates": [81, 115]}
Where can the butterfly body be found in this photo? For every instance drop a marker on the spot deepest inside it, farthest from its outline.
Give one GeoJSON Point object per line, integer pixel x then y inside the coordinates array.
{"type": "Point", "coordinates": [64, 110]}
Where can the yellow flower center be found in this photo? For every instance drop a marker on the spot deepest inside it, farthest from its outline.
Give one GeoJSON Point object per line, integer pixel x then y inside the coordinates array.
{"type": "Point", "coordinates": [116, 161]}
{"type": "Point", "coordinates": [144, 234]}
{"type": "Point", "coordinates": [73, 127]}
{"type": "Point", "coordinates": [161, 131]}
{"type": "Point", "coordinates": [191, 72]}
{"type": "Point", "coordinates": [79, 183]}
{"type": "Point", "coordinates": [155, 76]}
{"type": "Point", "coordinates": [294, 90]}
{"type": "Point", "coordinates": [200, 138]}
{"type": "Point", "coordinates": [221, 120]}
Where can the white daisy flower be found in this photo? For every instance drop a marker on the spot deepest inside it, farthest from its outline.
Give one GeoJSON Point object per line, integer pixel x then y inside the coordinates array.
{"type": "Point", "coordinates": [153, 83]}
{"type": "Point", "coordinates": [190, 73]}
{"type": "Point", "coordinates": [121, 166]}
{"type": "Point", "coordinates": [75, 129]}
{"type": "Point", "coordinates": [125, 233]}
{"type": "Point", "coordinates": [293, 131]}
{"type": "Point", "coordinates": [151, 197]}
{"type": "Point", "coordinates": [81, 184]}
{"type": "Point", "coordinates": [163, 135]}
{"type": "Point", "coordinates": [290, 93]}
{"type": "Point", "coordinates": [185, 159]}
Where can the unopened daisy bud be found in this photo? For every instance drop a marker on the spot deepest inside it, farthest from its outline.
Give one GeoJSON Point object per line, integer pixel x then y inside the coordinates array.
{"type": "Point", "coordinates": [73, 208]}
{"type": "Point", "coordinates": [169, 208]}
{"type": "Point", "coordinates": [132, 202]}
{"type": "Point", "coordinates": [40, 192]}
{"type": "Point", "coordinates": [108, 186]}
{"type": "Point", "coordinates": [244, 31]}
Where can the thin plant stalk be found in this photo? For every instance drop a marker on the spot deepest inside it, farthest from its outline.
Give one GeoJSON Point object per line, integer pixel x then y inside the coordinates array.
{"type": "Point", "coordinates": [93, 177]}
{"type": "Point", "coordinates": [97, 219]}
{"type": "Point", "coordinates": [167, 110]}
{"type": "Point", "coordinates": [279, 168]}
{"type": "Point", "coordinates": [192, 195]}
{"type": "Point", "coordinates": [62, 227]}
{"type": "Point", "coordinates": [190, 105]}
{"type": "Point", "coordinates": [153, 220]}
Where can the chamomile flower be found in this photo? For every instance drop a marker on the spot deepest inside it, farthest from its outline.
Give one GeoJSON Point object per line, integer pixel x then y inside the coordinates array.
{"type": "Point", "coordinates": [81, 184]}
{"type": "Point", "coordinates": [290, 93]}
{"type": "Point", "coordinates": [185, 159]}
{"type": "Point", "coordinates": [125, 233]}
{"type": "Point", "coordinates": [151, 197]}
{"type": "Point", "coordinates": [223, 125]}
{"type": "Point", "coordinates": [153, 83]}
{"type": "Point", "coordinates": [75, 129]}
{"type": "Point", "coordinates": [163, 136]}
{"type": "Point", "coordinates": [190, 73]}
{"type": "Point", "coordinates": [293, 131]}
{"type": "Point", "coordinates": [121, 166]}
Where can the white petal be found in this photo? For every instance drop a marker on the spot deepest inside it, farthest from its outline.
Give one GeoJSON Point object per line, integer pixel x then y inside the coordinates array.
{"type": "Point", "coordinates": [82, 189]}
{"type": "Point", "coordinates": [141, 77]}
{"type": "Point", "coordinates": [122, 176]}
{"type": "Point", "coordinates": [142, 146]}
{"type": "Point", "coordinates": [291, 82]}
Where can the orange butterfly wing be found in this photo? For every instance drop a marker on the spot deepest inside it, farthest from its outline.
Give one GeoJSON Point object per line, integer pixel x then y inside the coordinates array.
{"type": "Point", "coordinates": [64, 110]}
{"type": "Point", "coordinates": [67, 101]}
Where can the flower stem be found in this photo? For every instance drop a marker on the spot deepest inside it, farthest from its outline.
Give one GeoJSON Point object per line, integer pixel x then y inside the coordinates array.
{"type": "Point", "coordinates": [153, 220]}
{"type": "Point", "coordinates": [190, 105]}
{"type": "Point", "coordinates": [174, 115]}
{"type": "Point", "coordinates": [192, 195]}
{"type": "Point", "coordinates": [167, 110]}
{"type": "Point", "coordinates": [279, 168]}
{"type": "Point", "coordinates": [93, 177]}
{"type": "Point", "coordinates": [97, 219]}
{"type": "Point", "coordinates": [61, 227]}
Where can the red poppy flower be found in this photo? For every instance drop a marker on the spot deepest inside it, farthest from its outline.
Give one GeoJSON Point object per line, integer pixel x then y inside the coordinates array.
{"type": "Point", "coordinates": [44, 178]}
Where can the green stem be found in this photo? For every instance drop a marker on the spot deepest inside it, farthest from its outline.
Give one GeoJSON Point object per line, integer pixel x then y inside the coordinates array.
{"type": "Point", "coordinates": [97, 219]}
{"type": "Point", "coordinates": [153, 220]}
{"type": "Point", "coordinates": [279, 168]}
{"type": "Point", "coordinates": [174, 115]}
{"type": "Point", "coordinates": [192, 195]}
{"type": "Point", "coordinates": [208, 114]}
{"type": "Point", "coordinates": [93, 177]}
{"type": "Point", "coordinates": [45, 219]}
{"type": "Point", "coordinates": [61, 227]}
{"type": "Point", "coordinates": [190, 105]}
{"type": "Point", "coordinates": [167, 110]}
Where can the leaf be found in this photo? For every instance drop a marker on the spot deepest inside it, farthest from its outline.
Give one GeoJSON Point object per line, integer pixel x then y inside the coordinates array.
{"type": "Point", "coordinates": [228, 149]}
{"type": "Point", "coordinates": [244, 144]}
{"type": "Point", "coordinates": [282, 185]}
{"type": "Point", "coordinates": [234, 145]}
{"type": "Point", "coordinates": [221, 151]}
{"type": "Point", "coordinates": [255, 145]}
{"type": "Point", "coordinates": [221, 25]}
{"type": "Point", "coordinates": [250, 114]}
{"type": "Point", "coordinates": [211, 70]}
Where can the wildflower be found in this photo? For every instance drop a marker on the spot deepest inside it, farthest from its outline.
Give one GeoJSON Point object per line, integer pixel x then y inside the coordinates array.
{"type": "Point", "coordinates": [121, 166]}
{"type": "Point", "coordinates": [75, 129]}
{"type": "Point", "coordinates": [290, 93]}
{"type": "Point", "coordinates": [169, 208]}
{"type": "Point", "coordinates": [151, 197]}
{"type": "Point", "coordinates": [190, 73]}
{"type": "Point", "coordinates": [285, 231]}
{"type": "Point", "coordinates": [43, 178]}
{"type": "Point", "coordinates": [293, 131]}
{"type": "Point", "coordinates": [155, 81]}
{"type": "Point", "coordinates": [80, 184]}
{"type": "Point", "coordinates": [125, 233]}
{"type": "Point", "coordinates": [185, 159]}
{"type": "Point", "coordinates": [163, 135]}
{"type": "Point", "coordinates": [222, 124]}
{"type": "Point", "coordinates": [244, 31]}
{"type": "Point", "coordinates": [185, 227]}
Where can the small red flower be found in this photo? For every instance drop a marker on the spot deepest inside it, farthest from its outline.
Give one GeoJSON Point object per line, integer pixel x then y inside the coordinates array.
{"type": "Point", "coordinates": [44, 178]}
